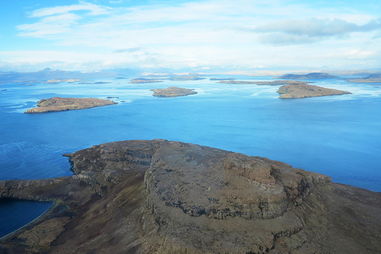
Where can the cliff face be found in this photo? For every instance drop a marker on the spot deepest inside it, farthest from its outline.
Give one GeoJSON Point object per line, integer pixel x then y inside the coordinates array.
{"type": "Point", "coordinates": [170, 197]}
{"type": "Point", "coordinates": [61, 104]}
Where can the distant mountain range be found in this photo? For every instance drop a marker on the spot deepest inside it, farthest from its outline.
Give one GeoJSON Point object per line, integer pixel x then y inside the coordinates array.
{"type": "Point", "coordinates": [50, 76]}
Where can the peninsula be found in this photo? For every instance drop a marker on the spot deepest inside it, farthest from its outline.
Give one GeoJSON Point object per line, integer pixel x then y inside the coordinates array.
{"type": "Point", "coordinates": [305, 91]}
{"type": "Point", "coordinates": [62, 104]}
{"type": "Point", "coordinates": [173, 92]}
{"type": "Point", "coordinates": [160, 196]}
{"type": "Point", "coordinates": [267, 83]}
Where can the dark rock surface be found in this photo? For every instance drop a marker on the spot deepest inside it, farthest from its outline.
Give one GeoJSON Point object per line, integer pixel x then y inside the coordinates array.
{"type": "Point", "coordinates": [62, 104]}
{"type": "Point", "coordinates": [170, 197]}
{"type": "Point", "coordinates": [305, 91]}
{"type": "Point", "coordinates": [173, 92]}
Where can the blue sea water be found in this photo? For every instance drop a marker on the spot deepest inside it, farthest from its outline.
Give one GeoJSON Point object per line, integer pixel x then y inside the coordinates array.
{"type": "Point", "coordinates": [339, 136]}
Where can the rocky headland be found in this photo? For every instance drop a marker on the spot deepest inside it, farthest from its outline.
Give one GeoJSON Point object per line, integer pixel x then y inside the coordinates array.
{"type": "Point", "coordinates": [56, 104]}
{"type": "Point", "coordinates": [173, 92]}
{"type": "Point", "coordinates": [312, 75]}
{"type": "Point", "coordinates": [305, 91]}
{"type": "Point", "coordinates": [169, 197]}
{"type": "Point", "coordinates": [266, 83]}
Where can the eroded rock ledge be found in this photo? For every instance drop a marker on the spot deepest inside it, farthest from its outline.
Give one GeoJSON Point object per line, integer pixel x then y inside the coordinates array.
{"type": "Point", "coordinates": [170, 197]}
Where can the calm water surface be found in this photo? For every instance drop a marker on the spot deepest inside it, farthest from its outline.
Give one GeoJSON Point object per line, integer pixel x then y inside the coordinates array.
{"type": "Point", "coordinates": [339, 136]}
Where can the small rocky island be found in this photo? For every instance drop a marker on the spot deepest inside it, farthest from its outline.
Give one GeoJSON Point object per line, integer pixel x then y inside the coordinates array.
{"type": "Point", "coordinates": [173, 92]}
{"type": "Point", "coordinates": [62, 104]}
{"type": "Point", "coordinates": [267, 83]}
{"type": "Point", "coordinates": [160, 196]}
{"type": "Point", "coordinates": [305, 91]}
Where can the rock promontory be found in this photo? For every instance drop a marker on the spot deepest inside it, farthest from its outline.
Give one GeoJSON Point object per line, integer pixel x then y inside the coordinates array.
{"type": "Point", "coordinates": [305, 91]}
{"type": "Point", "coordinates": [160, 196]}
{"type": "Point", "coordinates": [62, 104]}
{"type": "Point", "coordinates": [173, 92]}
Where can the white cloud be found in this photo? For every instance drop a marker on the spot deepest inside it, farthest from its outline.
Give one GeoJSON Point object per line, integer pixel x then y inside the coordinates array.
{"type": "Point", "coordinates": [83, 6]}
{"type": "Point", "coordinates": [239, 34]}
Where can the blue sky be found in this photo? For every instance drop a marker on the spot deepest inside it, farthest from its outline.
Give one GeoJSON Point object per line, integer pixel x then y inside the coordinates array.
{"type": "Point", "coordinates": [196, 35]}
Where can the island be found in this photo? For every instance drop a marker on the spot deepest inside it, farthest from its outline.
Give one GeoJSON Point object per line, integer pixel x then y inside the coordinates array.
{"type": "Point", "coordinates": [312, 75]}
{"type": "Point", "coordinates": [267, 83]}
{"type": "Point", "coordinates": [144, 80]}
{"type": "Point", "coordinates": [221, 79]}
{"type": "Point", "coordinates": [173, 92]}
{"type": "Point", "coordinates": [160, 196]}
{"type": "Point", "coordinates": [62, 80]}
{"type": "Point", "coordinates": [62, 104]}
{"type": "Point", "coordinates": [187, 77]}
{"type": "Point", "coordinates": [373, 78]}
{"type": "Point", "coordinates": [305, 91]}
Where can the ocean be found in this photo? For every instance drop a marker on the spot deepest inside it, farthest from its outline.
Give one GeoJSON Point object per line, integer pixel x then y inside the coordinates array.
{"type": "Point", "coordinates": [339, 136]}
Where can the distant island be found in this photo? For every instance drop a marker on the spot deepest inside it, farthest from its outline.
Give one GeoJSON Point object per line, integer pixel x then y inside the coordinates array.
{"type": "Point", "coordinates": [373, 78]}
{"type": "Point", "coordinates": [162, 196]}
{"type": "Point", "coordinates": [144, 80]}
{"type": "Point", "coordinates": [173, 92]}
{"type": "Point", "coordinates": [62, 80]}
{"type": "Point", "coordinates": [267, 83]}
{"type": "Point", "coordinates": [305, 91]}
{"type": "Point", "coordinates": [313, 75]}
{"type": "Point", "coordinates": [222, 79]}
{"type": "Point", "coordinates": [185, 77]}
{"type": "Point", "coordinates": [56, 104]}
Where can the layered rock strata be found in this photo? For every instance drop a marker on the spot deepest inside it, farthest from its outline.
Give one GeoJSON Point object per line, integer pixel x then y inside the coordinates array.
{"type": "Point", "coordinates": [169, 197]}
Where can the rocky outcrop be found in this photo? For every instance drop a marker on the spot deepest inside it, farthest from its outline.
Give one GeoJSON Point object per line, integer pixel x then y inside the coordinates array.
{"type": "Point", "coordinates": [267, 83]}
{"type": "Point", "coordinates": [61, 104]}
{"type": "Point", "coordinates": [173, 92]}
{"type": "Point", "coordinates": [170, 197]}
{"type": "Point", "coordinates": [305, 91]}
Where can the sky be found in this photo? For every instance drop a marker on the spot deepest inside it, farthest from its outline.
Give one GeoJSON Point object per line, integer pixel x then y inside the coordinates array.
{"type": "Point", "coordinates": [203, 35]}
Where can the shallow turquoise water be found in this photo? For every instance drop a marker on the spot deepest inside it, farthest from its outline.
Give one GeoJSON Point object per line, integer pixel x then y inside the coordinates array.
{"type": "Point", "coordinates": [339, 136]}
